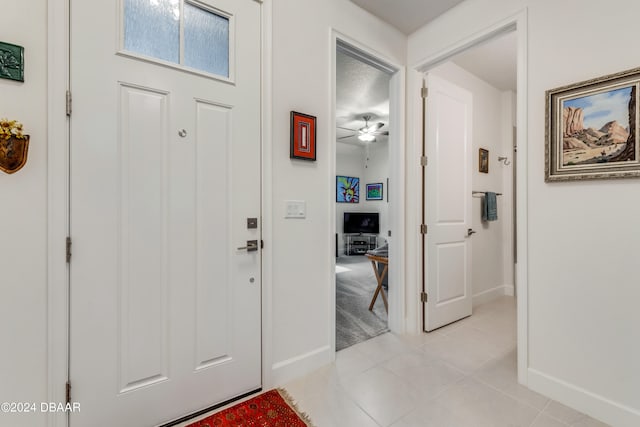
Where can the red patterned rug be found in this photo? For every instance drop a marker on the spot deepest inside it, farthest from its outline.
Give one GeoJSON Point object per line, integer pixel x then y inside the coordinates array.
{"type": "Point", "coordinates": [273, 408]}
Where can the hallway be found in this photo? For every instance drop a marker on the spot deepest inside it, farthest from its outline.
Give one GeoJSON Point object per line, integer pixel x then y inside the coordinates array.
{"type": "Point", "coordinates": [463, 375]}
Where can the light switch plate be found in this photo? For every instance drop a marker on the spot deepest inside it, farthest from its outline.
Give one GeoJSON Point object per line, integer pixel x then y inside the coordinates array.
{"type": "Point", "coordinates": [295, 209]}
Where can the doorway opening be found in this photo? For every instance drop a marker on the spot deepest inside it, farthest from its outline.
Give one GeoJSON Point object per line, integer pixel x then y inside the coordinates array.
{"type": "Point", "coordinates": [470, 117]}
{"type": "Point", "coordinates": [364, 204]}
{"type": "Point", "coordinates": [518, 318]}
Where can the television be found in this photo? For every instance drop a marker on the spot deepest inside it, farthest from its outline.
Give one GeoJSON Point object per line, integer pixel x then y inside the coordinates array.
{"type": "Point", "coordinates": [361, 222]}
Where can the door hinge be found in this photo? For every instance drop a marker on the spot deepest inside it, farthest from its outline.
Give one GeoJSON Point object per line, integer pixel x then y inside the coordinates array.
{"type": "Point", "coordinates": [424, 160]}
{"type": "Point", "coordinates": [68, 244]}
{"type": "Point", "coordinates": [424, 297]}
{"type": "Point", "coordinates": [68, 101]}
{"type": "Point", "coordinates": [424, 92]}
{"type": "Point", "coordinates": [261, 244]}
{"type": "Point", "coordinates": [68, 392]}
{"type": "Point", "coordinates": [423, 228]}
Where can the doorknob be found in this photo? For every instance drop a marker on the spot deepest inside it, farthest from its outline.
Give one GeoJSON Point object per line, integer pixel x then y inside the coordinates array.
{"type": "Point", "coordinates": [252, 246]}
{"type": "Point", "coordinates": [470, 231]}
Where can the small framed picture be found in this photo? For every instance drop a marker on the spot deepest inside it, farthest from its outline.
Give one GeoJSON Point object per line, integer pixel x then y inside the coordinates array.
{"type": "Point", "coordinates": [11, 62]}
{"type": "Point", "coordinates": [483, 163]}
{"type": "Point", "coordinates": [347, 189]}
{"type": "Point", "coordinates": [374, 191]}
{"type": "Point", "coordinates": [303, 136]}
{"type": "Point", "coordinates": [591, 129]}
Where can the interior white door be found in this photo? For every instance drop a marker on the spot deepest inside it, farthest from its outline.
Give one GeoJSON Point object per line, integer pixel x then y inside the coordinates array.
{"type": "Point", "coordinates": [448, 118]}
{"type": "Point", "coordinates": [165, 170]}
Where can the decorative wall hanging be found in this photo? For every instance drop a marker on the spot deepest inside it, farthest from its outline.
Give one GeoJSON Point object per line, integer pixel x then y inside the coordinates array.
{"type": "Point", "coordinates": [374, 191]}
{"type": "Point", "coordinates": [483, 162]}
{"type": "Point", "coordinates": [14, 146]}
{"type": "Point", "coordinates": [11, 62]}
{"type": "Point", "coordinates": [347, 189]}
{"type": "Point", "coordinates": [591, 129]}
{"type": "Point", "coordinates": [303, 136]}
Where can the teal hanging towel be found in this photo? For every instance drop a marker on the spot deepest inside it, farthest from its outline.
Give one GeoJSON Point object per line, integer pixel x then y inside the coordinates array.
{"type": "Point", "coordinates": [490, 207]}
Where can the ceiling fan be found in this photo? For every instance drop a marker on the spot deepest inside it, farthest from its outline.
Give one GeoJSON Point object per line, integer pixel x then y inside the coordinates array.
{"type": "Point", "coordinates": [367, 133]}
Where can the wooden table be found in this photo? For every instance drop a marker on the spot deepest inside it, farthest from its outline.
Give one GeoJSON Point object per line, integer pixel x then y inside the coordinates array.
{"type": "Point", "coordinates": [375, 260]}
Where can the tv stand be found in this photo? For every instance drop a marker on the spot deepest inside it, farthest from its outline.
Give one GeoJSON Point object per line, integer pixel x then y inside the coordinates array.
{"type": "Point", "coordinates": [359, 244]}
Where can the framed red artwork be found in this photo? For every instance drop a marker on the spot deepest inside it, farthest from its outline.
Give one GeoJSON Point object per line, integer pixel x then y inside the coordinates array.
{"type": "Point", "coordinates": [303, 136]}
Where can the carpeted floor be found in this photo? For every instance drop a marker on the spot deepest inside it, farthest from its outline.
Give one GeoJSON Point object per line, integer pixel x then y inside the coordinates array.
{"type": "Point", "coordinates": [355, 284]}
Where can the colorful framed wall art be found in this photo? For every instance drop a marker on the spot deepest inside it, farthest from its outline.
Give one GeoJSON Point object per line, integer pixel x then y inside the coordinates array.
{"type": "Point", "coordinates": [303, 136]}
{"type": "Point", "coordinates": [592, 128]}
{"type": "Point", "coordinates": [347, 189]}
{"type": "Point", "coordinates": [374, 191]}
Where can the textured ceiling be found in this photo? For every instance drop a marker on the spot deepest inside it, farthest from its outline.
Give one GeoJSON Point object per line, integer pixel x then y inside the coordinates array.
{"type": "Point", "coordinates": [407, 15]}
{"type": "Point", "coordinates": [494, 62]}
{"type": "Point", "coordinates": [360, 89]}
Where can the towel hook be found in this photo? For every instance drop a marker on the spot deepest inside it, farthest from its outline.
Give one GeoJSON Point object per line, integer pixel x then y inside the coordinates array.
{"type": "Point", "coordinates": [504, 160]}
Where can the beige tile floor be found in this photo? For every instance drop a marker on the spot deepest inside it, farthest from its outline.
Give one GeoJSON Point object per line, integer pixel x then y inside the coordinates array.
{"type": "Point", "coordinates": [463, 375]}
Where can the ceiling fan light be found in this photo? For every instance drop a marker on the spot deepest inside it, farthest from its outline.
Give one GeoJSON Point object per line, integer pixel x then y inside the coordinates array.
{"type": "Point", "coordinates": [374, 127]}
{"type": "Point", "coordinates": [366, 137]}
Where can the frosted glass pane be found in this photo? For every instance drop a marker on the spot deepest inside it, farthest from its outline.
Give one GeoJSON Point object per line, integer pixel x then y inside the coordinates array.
{"type": "Point", "coordinates": [206, 40]}
{"type": "Point", "coordinates": [152, 28]}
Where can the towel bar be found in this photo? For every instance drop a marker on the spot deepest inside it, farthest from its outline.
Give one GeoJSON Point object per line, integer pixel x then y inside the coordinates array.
{"type": "Point", "coordinates": [473, 193]}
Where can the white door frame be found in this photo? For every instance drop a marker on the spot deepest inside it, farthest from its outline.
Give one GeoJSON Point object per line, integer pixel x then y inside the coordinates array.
{"type": "Point", "coordinates": [57, 206]}
{"type": "Point", "coordinates": [518, 23]}
{"type": "Point", "coordinates": [267, 195]}
{"type": "Point", "coordinates": [396, 179]}
{"type": "Point", "coordinates": [58, 140]}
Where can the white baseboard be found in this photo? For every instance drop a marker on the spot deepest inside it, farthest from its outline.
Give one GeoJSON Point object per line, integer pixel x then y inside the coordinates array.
{"type": "Point", "coordinates": [509, 290]}
{"type": "Point", "coordinates": [290, 369]}
{"type": "Point", "coordinates": [491, 294]}
{"type": "Point", "coordinates": [582, 400]}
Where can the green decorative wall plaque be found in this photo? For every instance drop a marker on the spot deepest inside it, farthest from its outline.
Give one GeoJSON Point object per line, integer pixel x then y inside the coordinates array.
{"type": "Point", "coordinates": [11, 62]}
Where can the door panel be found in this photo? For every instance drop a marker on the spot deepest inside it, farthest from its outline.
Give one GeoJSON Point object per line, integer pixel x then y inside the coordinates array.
{"type": "Point", "coordinates": [142, 235]}
{"type": "Point", "coordinates": [448, 203]}
{"type": "Point", "coordinates": [450, 151]}
{"type": "Point", "coordinates": [451, 280]}
{"type": "Point", "coordinates": [165, 169]}
{"type": "Point", "coordinates": [214, 344]}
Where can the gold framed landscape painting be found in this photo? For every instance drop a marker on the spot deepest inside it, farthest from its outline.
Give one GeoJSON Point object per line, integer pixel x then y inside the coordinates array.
{"type": "Point", "coordinates": [592, 128]}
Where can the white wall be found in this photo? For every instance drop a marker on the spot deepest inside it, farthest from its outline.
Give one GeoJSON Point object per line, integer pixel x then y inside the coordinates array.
{"type": "Point", "coordinates": [488, 132]}
{"type": "Point", "coordinates": [583, 292]}
{"type": "Point", "coordinates": [300, 280]}
{"type": "Point", "coordinates": [23, 221]}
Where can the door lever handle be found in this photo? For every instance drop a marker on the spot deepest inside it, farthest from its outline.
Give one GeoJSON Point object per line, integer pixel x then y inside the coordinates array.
{"type": "Point", "coordinates": [470, 231]}
{"type": "Point", "coordinates": [252, 246]}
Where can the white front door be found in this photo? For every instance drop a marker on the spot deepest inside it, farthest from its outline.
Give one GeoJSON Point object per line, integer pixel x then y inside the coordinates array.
{"type": "Point", "coordinates": [448, 203]}
{"type": "Point", "coordinates": [165, 170]}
